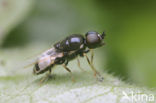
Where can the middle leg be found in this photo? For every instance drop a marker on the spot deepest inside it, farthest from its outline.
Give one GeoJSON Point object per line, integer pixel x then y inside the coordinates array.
{"type": "Point", "coordinates": [78, 63]}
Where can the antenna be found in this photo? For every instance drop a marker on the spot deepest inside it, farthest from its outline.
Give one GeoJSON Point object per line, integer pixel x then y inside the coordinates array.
{"type": "Point", "coordinates": [103, 35]}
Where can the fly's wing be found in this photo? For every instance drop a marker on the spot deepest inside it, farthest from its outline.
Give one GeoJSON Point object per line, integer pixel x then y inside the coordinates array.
{"type": "Point", "coordinates": [48, 58]}
{"type": "Point", "coordinates": [29, 63]}
{"type": "Point", "coordinates": [32, 61]}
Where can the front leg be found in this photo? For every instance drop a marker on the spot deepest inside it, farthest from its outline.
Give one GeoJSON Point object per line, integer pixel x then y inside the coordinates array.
{"type": "Point", "coordinates": [91, 65]}
{"type": "Point", "coordinates": [96, 73]}
{"type": "Point", "coordinates": [92, 56]}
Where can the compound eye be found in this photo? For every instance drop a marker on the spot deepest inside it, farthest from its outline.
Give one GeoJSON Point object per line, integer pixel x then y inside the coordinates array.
{"type": "Point", "coordinates": [92, 38]}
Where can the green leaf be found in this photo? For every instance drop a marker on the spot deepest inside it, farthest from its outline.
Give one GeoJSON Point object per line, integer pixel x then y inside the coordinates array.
{"type": "Point", "coordinates": [19, 85]}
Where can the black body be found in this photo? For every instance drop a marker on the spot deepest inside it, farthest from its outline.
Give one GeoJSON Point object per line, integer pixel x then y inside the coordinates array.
{"type": "Point", "coordinates": [74, 45]}
{"type": "Point", "coordinates": [70, 43]}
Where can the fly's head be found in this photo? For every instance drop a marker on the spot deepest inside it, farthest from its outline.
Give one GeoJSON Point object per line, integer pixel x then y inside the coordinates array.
{"type": "Point", "coordinates": [94, 39]}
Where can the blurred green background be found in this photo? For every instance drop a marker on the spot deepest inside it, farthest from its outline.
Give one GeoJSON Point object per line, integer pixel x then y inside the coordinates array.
{"type": "Point", "coordinates": [130, 26]}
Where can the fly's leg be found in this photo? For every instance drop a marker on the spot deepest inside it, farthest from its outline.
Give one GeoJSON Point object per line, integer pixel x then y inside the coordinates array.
{"type": "Point", "coordinates": [49, 70]}
{"type": "Point", "coordinates": [65, 67]}
{"type": "Point", "coordinates": [81, 54]}
{"type": "Point", "coordinates": [78, 63]}
{"type": "Point", "coordinates": [66, 62]}
{"type": "Point", "coordinates": [92, 56]}
{"type": "Point", "coordinates": [92, 67]}
{"type": "Point", "coordinates": [46, 76]}
{"type": "Point", "coordinates": [96, 73]}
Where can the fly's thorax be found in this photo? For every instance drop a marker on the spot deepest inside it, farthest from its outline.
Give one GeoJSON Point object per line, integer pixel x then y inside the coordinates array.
{"type": "Point", "coordinates": [72, 42]}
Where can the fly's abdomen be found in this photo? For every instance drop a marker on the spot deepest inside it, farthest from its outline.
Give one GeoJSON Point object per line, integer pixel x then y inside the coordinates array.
{"type": "Point", "coordinates": [42, 64]}
{"type": "Point", "coordinates": [47, 60]}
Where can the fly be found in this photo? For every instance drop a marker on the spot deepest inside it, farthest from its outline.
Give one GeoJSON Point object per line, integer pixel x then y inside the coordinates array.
{"type": "Point", "coordinates": [68, 49]}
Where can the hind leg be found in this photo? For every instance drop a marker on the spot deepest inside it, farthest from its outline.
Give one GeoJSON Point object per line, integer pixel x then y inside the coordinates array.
{"type": "Point", "coordinates": [46, 76]}
{"type": "Point", "coordinates": [66, 68]}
